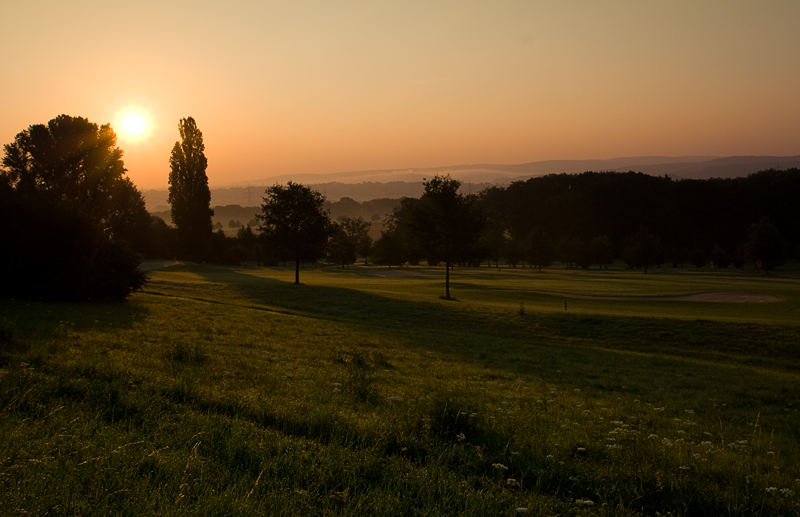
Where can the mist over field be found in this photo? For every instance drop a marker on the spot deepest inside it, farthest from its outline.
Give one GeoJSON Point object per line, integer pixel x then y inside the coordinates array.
{"type": "Point", "coordinates": [368, 185]}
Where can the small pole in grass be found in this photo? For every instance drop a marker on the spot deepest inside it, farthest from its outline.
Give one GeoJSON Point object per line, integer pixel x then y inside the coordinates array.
{"type": "Point", "coordinates": [565, 304]}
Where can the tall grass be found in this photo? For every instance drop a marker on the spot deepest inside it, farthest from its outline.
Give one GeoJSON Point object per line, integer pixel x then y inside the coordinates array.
{"type": "Point", "coordinates": [224, 391]}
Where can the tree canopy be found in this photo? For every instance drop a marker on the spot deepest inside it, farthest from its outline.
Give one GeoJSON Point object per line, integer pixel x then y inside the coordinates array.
{"type": "Point", "coordinates": [189, 194]}
{"type": "Point", "coordinates": [294, 223]}
{"type": "Point", "coordinates": [447, 223]}
{"type": "Point", "coordinates": [68, 212]}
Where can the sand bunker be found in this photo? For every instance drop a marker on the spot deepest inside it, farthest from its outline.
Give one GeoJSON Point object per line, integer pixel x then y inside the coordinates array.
{"type": "Point", "coordinates": [721, 296]}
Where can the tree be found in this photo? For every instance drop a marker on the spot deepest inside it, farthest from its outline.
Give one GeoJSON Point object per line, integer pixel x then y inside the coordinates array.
{"type": "Point", "coordinates": [644, 250]}
{"type": "Point", "coordinates": [341, 247]}
{"type": "Point", "coordinates": [447, 223]}
{"type": "Point", "coordinates": [765, 245]}
{"type": "Point", "coordinates": [189, 194]}
{"type": "Point", "coordinates": [294, 223]}
{"type": "Point", "coordinates": [67, 210]}
{"type": "Point", "coordinates": [350, 236]}
{"type": "Point", "coordinates": [539, 249]}
{"type": "Point", "coordinates": [389, 249]}
{"type": "Point", "coordinates": [602, 251]}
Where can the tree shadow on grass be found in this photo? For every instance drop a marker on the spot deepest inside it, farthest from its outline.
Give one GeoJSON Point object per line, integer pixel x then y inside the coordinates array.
{"type": "Point", "coordinates": [38, 319]}
{"type": "Point", "coordinates": [468, 332]}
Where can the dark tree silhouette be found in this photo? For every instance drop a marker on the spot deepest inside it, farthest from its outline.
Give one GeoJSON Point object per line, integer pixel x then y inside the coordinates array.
{"type": "Point", "coordinates": [644, 250]}
{"type": "Point", "coordinates": [341, 248]}
{"type": "Point", "coordinates": [66, 207]}
{"type": "Point", "coordinates": [295, 224]}
{"type": "Point", "coordinates": [189, 194]}
{"type": "Point", "coordinates": [447, 222]}
{"type": "Point", "coordinates": [765, 245]}
{"type": "Point", "coordinates": [350, 237]}
{"type": "Point", "coordinates": [539, 249]}
{"type": "Point", "coordinates": [389, 249]}
{"type": "Point", "coordinates": [602, 251]}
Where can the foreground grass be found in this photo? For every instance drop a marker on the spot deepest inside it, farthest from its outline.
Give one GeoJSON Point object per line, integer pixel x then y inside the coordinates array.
{"type": "Point", "coordinates": [230, 391]}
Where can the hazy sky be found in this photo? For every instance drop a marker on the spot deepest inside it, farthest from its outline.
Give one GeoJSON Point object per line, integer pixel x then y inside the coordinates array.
{"type": "Point", "coordinates": [328, 86]}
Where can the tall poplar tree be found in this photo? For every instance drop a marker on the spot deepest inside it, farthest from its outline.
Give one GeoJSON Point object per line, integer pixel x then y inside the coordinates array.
{"type": "Point", "coordinates": [189, 194]}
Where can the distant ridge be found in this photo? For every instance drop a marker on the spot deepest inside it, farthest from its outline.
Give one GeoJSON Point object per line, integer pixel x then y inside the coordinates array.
{"type": "Point", "coordinates": [396, 183]}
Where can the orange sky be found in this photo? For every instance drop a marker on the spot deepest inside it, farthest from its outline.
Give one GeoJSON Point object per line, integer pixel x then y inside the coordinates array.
{"type": "Point", "coordinates": [316, 87]}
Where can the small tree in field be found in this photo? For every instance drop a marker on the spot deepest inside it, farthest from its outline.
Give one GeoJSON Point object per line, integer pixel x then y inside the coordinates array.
{"type": "Point", "coordinates": [446, 222]}
{"type": "Point", "coordinates": [294, 223]}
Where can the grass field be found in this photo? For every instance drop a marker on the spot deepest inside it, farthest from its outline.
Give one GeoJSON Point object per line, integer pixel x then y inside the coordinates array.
{"type": "Point", "coordinates": [230, 391]}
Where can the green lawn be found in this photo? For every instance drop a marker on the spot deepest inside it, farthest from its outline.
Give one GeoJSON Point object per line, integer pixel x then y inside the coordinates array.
{"type": "Point", "coordinates": [222, 391]}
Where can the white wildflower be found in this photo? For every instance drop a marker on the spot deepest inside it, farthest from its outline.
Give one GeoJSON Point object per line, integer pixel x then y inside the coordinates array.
{"type": "Point", "coordinates": [522, 510]}
{"type": "Point", "coordinates": [667, 442]}
{"type": "Point", "coordinates": [653, 437]}
{"type": "Point", "coordinates": [512, 482]}
{"type": "Point", "coordinates": [499, 466]}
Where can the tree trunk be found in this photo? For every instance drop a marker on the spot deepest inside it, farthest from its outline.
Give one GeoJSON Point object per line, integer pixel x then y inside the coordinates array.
{"type": "Point", "coordinates": [297, 265]}
{"type": "Point", "coordinates": [447, 278]}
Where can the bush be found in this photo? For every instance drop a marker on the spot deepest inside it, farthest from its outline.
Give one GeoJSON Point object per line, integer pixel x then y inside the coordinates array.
{"type": "Point", "coordinates": [56, 251]}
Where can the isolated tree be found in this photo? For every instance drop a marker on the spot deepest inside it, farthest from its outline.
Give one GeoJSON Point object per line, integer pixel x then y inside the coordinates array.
{"type": "Point", "coordinates": [447, 222]}
{"type": "Point", "coordinates": [294, 223]}
{"type": "Point", "coordinates": [189, 194]}
{"type": "Point", "coordinates": [765, 245]}
{"type": "Point", "coordinates": [67, 209]}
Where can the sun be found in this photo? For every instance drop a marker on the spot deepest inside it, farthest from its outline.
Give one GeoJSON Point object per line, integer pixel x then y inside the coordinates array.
{"type": "Point", "coordinates": [134, 124]}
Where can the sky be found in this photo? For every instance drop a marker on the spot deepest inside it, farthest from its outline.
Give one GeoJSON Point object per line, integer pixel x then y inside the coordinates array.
{"type": "Point", "coordinates": [299, 87]}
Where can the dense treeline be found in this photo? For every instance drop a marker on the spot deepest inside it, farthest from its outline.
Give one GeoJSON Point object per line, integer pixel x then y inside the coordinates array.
{"type": "Point", "coordinates": [686, 221]}
{"type": "Point", "coordinates": [581, 220]}
{"type": "Point", "coordinates": [594, 218]}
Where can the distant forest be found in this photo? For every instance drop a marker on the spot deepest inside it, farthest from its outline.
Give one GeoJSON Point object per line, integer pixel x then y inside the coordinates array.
{"type": "Point", "coordinates": [582, 220]}
{"type": "Point", "coordinates": [691, 218]}
{"type": "Point", "coordinates": [229, 218]}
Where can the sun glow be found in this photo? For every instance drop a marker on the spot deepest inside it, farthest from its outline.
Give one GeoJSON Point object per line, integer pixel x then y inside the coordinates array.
{"type": "Point", "coordinates": [133, 124]}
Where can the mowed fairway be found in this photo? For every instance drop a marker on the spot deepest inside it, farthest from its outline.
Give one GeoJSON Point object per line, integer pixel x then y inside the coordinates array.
{"type": "Point", "coordinates": [231, 391]}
